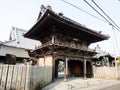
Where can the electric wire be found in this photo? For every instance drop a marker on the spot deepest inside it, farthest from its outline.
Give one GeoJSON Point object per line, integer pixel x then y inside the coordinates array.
{"type": "Point", "coordinates": [102, 15]}
{"type": "Point", "coordinates": [107, 21]}
{"type": "Point", "coordinates": [105, 13]}
{"type": "Point", "coordinates": [84, 11]}
{"type": "Point", "coordinates": [115, 38]}
{"type": "Point", "coordinates": [114, 49]}
{"type": "Point", "coordinates": [111, 20]}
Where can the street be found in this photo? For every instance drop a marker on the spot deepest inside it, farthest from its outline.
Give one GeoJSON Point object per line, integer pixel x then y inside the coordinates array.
{"type": "Point", "coordinates": [83, 84]}
{"type": "Point", "coordinates": [114, 87]}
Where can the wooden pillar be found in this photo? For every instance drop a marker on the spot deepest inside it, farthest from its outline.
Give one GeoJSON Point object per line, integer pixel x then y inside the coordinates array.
{"type": "Point", "coordinates": [108, 63]}
{"type": "Point", "coordinates": [84, 68]}
{"type": "Point", "coordinates": [56, 68]}
{"type": "Point", "coordinates": [65, 69]}
{"type": "Point", "coordinates": [115, 62]}
{"type": "Point", "coordinates": [53, 39]}
{"type": "Point", "coordinates": [102, 62]}
{"type": "Point", "coordinates": [112, 63]}
{"type": "Point", "coordinates": [53, 69]}
{"type": "Point", "coordinates": [66, 66]}
{"type": "Point", "coordinates": [92, 73]}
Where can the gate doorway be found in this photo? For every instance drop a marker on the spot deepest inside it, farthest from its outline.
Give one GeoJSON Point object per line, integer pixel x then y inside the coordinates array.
{"type": "Point", "coordinates": [89, 69]}
{"type": "Point", "coordinates": [75, 68]}
{"type": "Point", "coordinates": [59, 68]}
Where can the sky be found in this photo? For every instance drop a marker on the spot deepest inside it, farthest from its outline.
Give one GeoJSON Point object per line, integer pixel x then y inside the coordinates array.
{"type": "Point", "coordinates": [23, 14]}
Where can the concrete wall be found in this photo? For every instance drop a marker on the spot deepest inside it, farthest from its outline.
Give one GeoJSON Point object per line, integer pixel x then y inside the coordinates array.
{"type": "Point", "coordinates": [41, 62]}
{"type": "Point", "coordinates": [46, 60]}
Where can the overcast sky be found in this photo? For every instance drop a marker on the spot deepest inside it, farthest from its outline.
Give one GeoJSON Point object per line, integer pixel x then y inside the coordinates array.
{"type": "Point", "coordinates": [23, 14]}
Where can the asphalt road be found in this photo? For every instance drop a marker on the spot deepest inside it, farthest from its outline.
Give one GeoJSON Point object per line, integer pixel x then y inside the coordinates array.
{"type": "Point", "coordinates": [114, 87]}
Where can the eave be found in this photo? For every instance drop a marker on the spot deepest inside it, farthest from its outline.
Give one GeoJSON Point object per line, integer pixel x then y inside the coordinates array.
{"type": "Point", "coordinates": [50, 17]}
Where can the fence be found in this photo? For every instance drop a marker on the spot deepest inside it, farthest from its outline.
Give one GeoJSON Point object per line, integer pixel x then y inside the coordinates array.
{"type": "Point", "coordinates": [17, 77]}
{"type": "Point", "coordinates": [107, 73]}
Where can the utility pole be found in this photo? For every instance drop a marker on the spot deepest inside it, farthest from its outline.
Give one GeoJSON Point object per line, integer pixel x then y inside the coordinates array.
{"type": "Point", "coordinates": [114, 46]}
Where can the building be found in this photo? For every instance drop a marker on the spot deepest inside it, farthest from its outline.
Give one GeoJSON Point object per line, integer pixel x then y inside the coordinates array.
{"type": "Point", "coordinates": [64, 40]}
{"type": "Point", "coordinates": [16, 39]}
{"type": "Point", "coordinates": [18, 45]}
{"type": "Point", "coordinates": [20, 53]}
{"type": "Point", "coordinates": [102, 58]}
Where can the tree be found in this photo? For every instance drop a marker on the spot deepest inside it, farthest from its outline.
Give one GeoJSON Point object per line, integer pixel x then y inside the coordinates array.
{"type": "Point", "coordinates": [118, 61]}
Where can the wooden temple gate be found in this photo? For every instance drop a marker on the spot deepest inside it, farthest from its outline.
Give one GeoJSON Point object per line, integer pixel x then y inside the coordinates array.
{"type": "Point", "coordinates": [75, 68]}
{"type": "Point", "coordinates": [65, 39]}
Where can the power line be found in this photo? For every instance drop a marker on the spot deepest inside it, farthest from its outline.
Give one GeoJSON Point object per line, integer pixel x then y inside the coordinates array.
{"type": "Point", "coordinates": [110, 20]}
{"type": "Point", "coordinates": [97, 11]}
{"type": "Point", "coordinates": [115, 38]}
{"type": "Point", "coordinates": [106, 20]}
{"type": "Point", "coordinates": [84, 11]}
{"type": "Point", "coordinates": [102, 15]}
{"type": "Point", "coordinates": [105, 13]}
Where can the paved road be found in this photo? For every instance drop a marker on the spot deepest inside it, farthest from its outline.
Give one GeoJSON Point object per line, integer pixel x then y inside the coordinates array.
{"type": "Point", "coordinates": [83, 84]}
{"type": "Point", "coordinates": [114, 87]}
